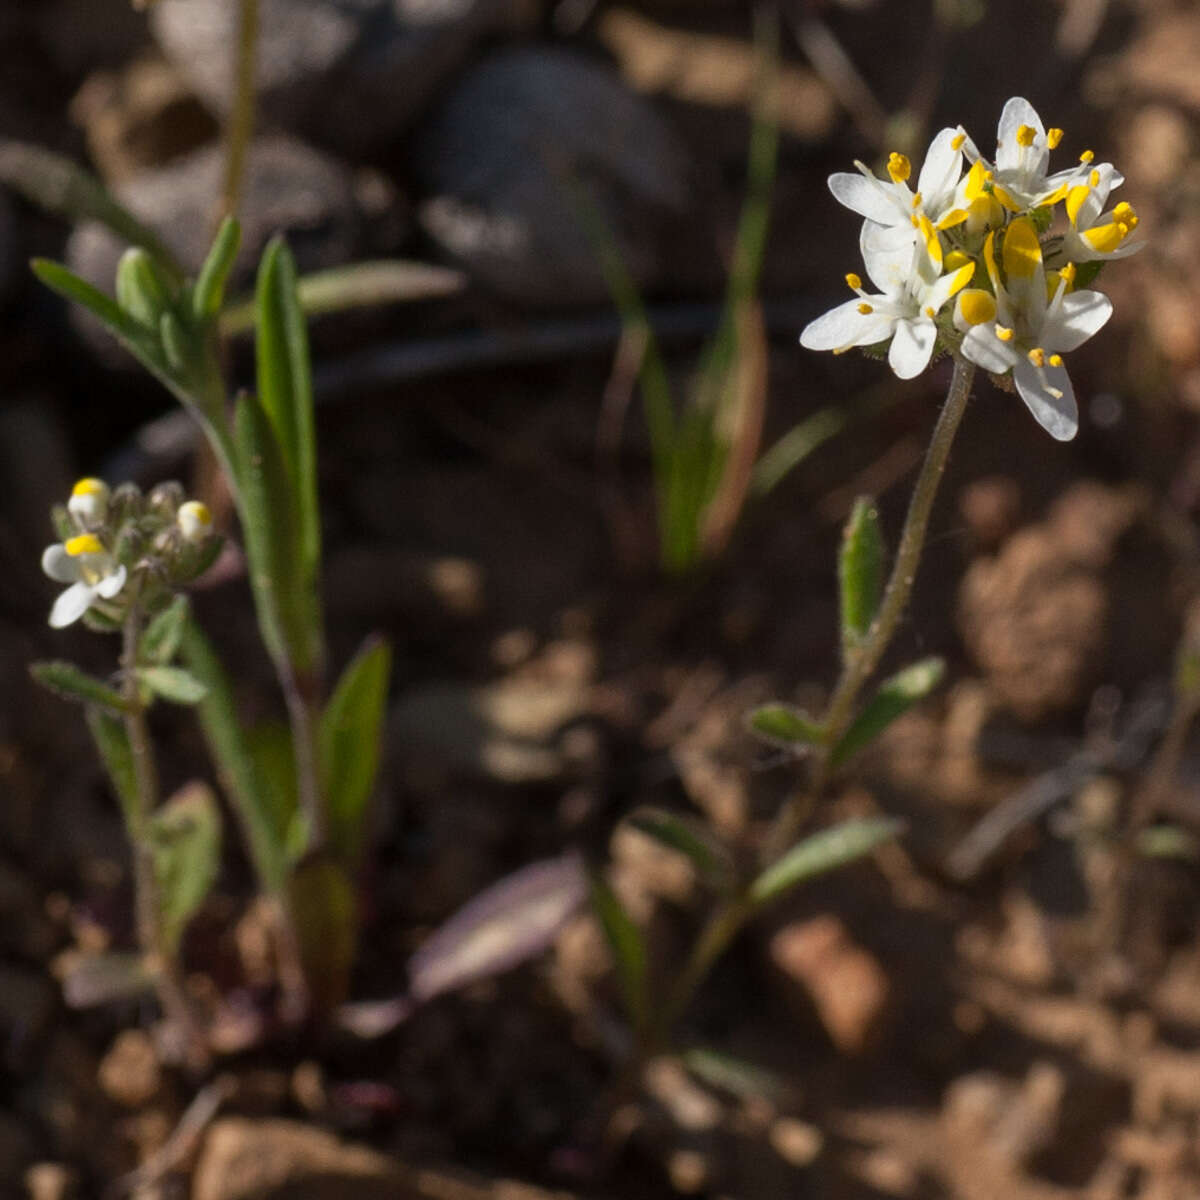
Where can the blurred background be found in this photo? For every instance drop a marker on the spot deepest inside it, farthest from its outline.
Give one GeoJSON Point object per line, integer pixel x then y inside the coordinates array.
{"type": "Point", "coordinates": [1008, 1013]}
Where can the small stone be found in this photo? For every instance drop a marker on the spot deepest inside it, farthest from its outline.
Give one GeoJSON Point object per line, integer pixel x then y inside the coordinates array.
{"type": "Point", "coordinates": [51, 1181]}
{"type": "Point", "coordinates": [129, 1072]}
{"type": "Point", "coordinates": [796, 1142]}
{"type": "Point", "coordinates": [688, 1170]}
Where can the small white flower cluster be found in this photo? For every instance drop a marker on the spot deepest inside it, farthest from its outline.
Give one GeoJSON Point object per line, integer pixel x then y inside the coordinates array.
{"type": "Point", "coordinates": [87, 558]}
{"type": "Point", "coordinates": [1022, 311]}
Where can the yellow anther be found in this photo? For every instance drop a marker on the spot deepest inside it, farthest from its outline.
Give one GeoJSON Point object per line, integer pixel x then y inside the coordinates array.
{"type": "Point", "coordinates": [1087, 156]}
{"type": "Point", "coordinates": [1055, 360]}
{"type": "Point", "coordinates": [916, 223]}
{"type": "Point", "coordinates": [916, 201]}
{"type": "Point", "coordinates": [853, 282]}
{"type": "Point", "coordinates": [1025, 135]}
{"type": "Point", "coordinates": [989, 176]}
{"type": "Point", "coordinates": [1067, 272]}
{"type": "Point", "coordinates": [1053, 137]}
{"type": "Point", "coordinates": [1004, 333]}
{"type": "Point", "coordinates": [930, 311]}
{"type": "Point", "coordinates": [90, 487]}
{"type": "Point", "coordinates": [898, 167]}
{"type": "Point", "coordinates": [865, 308]}
{"type": "Point", "coordinates": [84, 543]}
{"type": "Point", "coordinates": [1124, 214]}
{"type": "Point", "coordinates": [1037, 356]}
{"type": "Point", "coordinates": [976, 306]}
{"type": "Point", "coordinates": [956, 142]}
{"type": "Point", "coordinates": [1094, 178]}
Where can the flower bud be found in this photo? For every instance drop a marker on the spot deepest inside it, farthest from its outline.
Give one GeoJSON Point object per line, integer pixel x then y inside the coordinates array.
{"type": "Point", "coordinates": [88, 504]}
{"type": "Point", "coordinates": [195, 521]}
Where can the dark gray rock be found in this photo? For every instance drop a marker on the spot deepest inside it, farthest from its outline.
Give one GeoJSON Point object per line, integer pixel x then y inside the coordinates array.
{"type": "Point", "coordinates": [350, 75]}
{"type": "Point", "coordinates": [289, 188]}
{"type": "Point", "coordinates": [499, 162]}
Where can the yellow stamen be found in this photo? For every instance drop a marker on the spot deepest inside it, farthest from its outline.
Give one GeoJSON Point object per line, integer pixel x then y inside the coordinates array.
{"type": "Point", "coordinates": [1055, 360]}
{"type": "Point", "coordinates": [853, 282]}
{"type": "Point", "coordinates": [1125, 215]}
{"type": "Point", "coordinates": [1067, 272]}
{"type": "Point", "coordinates": [89, 487]}
{"type": "Point", "coordinates": [84, 543]}
{"type": "Point", "coordinates": [1087, 156]}
{"type": "Point", "coordinates": [933, 247]}
{"type": "Point", "coordinates": [865, 308]}
{"type": "Point", "coordinates": [1004, 333]}
{"type": "Point", "coordinates": [1053, 137]}
{"type": "Point", "coordinates": [898, 167]}
{"type": "Point", "coordinates": [916, 224]}
{"type": "Point", "coordinates": [1094, 178]}
{"type": "Point", "coordinates": [976, 306]}
{"type": "Point", "coordinates": [930, 311]}
{"type": "Point", "coordinates": [1037, 356]}
{"type": "Point", "coordinates": [916, 200]}
{"type": "Point", "coordinates": [956, 142]}
{"type": "Point", "coordinates": [1025, 135]}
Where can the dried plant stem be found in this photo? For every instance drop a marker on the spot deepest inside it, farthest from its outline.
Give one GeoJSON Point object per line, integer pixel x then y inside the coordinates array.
{"type": "Point", "coordinates": [147, 899]}
{"type": "Point", "coordinates": [729, 917]}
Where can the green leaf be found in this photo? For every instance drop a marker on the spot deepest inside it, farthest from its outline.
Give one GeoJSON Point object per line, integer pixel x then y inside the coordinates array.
{"type": "Point", "coordinates": [141, 290]}
{"type": "Point", "coordinates": [349, 740]}
{"type": "Point", "coordinates": [234, 759]}
{"type": "Point", "coordinates": [185, 837]}
{"type": "Point", "coordinates": [208, 293]}
{"type": "Point", "coordinates": [324, 910]}
{"type": "Point", "coordinates": [284, 376]}
{"type": "Point", "coordinates": [108, 732]}
{"type": "Point", "coordinates": [67, 680]}
{"type": "Point", "coordinates": [895, 696]}
{"type": "Point", "coordinates": [160, 642]}
{"type": "Point", "coordinates": [677, 833]}
{"type": "Point", "coordinates": [822, 852]}
{"type": "Point", "coordinates": [285, 607]}
{"type": "Point", "coordinates": [1086, 273]}
{"type": "Point", "coordinates": [860, 572]}
{"type": "Point", "coordinates": [784, 725]}
{"type": "Point", "coordinates": [173, 684]}
{"type": "Point", "coordinates": [793, 447]}
{"type": "Point", "coordinates": [628, 947]}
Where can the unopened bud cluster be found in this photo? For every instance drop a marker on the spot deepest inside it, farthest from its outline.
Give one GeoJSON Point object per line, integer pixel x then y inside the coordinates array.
{"type": "Point", "coordinates": [1010, 244]}
{"type": "Point", "coordinates": [112, 535]}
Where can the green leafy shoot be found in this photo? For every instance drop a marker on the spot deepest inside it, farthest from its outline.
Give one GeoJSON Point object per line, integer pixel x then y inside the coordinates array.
{"type": "Point", "coordinates": [785, 726]}
{"type": "Point", "coordinates": [68, 681]}
{"type": "Point", "coordinates": [628, 947]}
{"type": "Point", "coordinates": [185, 837]}
{"type": "Point", "coordinates": [208, 292]}
{"type": "Point", "coordinates": [822, 852]}
{"type": "Point", "coordinates": [860, 572]}
{"type": "Point", "coordinates": [686, 837]}
{"type": "Point", "coordinates": [160, 642]}
{"type": "Point", "coordinates": [349, 741]}
{"type": "Point", "coordinates": [894, 697]}
{"type": "Point", "coordinates": [173, 684]}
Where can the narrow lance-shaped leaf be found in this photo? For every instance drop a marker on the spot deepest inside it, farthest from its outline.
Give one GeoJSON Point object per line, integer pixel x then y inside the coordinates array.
{"type": "Point", "coordinates": [68, 681]}
{"type": "Point", "coordinates": [173, 684]}
{"type": "Point", "coordinates": [141, 290]}
{"type": "Point", "coordinates": [786, 726]}
{"type": "Point", "coordinates": [209, 289]}
{"type": "Point", "coordinates": [160, 642]}
{"type": "Point", "coordinates": [506, 924]}
{"type": "Point", "coordinates": [108, 732]}
{"type": "Point", "coordinates": [284, 376]}
{"type": "Point", "coordinates": [895, 696]}
{"type": "Point", "coordinates": [349, 742]}
{"type": "Point", "coordinates": [628, 947]}
{"type": "Point", "coordinates": [860, 572]}
{"type": "Point", "coordinates": [235, 764]}
{"type": "Point", "coordinates": [185, 836]}
{"type": "Point", "coordinates": [822, 852]}
{"type": "Point", "coordinates": [677, 833]}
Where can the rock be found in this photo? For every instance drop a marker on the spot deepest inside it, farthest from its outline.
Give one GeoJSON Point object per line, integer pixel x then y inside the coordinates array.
{"type": "Point", "coordinates": [350, 75]}
{"type": "Point", "coordinates": [129, 1072]}
{"type": "Point", "coordinates": [289, 188]}
{"type": "Point", "coordinates": [845, 982]}
{"type": "Point", "coordinates": [269, 1160]}
{"type": "Point", "coordinates": [500, 158]}
{"type": "Point", "coordinates": [51, 1181]}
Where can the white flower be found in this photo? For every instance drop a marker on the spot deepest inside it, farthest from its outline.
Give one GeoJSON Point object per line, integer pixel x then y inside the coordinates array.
{"type": "Point", "coordinates": [88, 504]}
{"type": "Point", "coordinates": [912, 290]}
{"type": "Point", "coordinates": [194, 520]}
{"type": "Point", "coordinates": [91, 571]}
{"type": "Point", "coordinates": [1018, 179]}
{"type": "Point", "coordinates": [1094, 233]}
{"type": "Point", "coordinates": [1031, 332]}
{"type": "Point", "coordinates": [892, 203]}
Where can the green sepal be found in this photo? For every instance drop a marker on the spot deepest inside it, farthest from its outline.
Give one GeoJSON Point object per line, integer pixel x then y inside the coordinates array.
{"type": "Point", "coordinates": [822, 852]}
{"type": "Point", "coordinates": [68, 681]}
{"type": "Point", "coordinates": [894, 697]}
{"type": "Point", "coordinates": [349, 741]}
{"type": "Point", "coordinates": [185, 837]}
{"type": "Point", "coordinates": [860, 572]}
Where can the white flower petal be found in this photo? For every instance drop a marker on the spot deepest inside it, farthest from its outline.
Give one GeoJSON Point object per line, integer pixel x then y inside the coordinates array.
{"type": "Point", "coordinates": [1017, 112]}
{"type": "Point", "coordinates": [888, 253]}
{"type": "Point", "coordinates": [986, 350]}
{"type": "Point", "coordinates": [846, 326]}
{"type": "Point", "coordinates": [1057, 415]}
{"type": "Point", "coordinates": [946, 286]}
{"type": "Point", "coordinates": [70, 606]}
{"type": "Point", "coordinates": [1077, 316]}
{"type": "Point", "coordinates": [912, 347]}
{"type": "Point", "coordinates": [59, 565]}
{"type": "Point", "coordinates": [111, 584]}
{"type": "Point", "coordinates": [867, 197]}
{"type": "Point", "coordinates": [940, 171]}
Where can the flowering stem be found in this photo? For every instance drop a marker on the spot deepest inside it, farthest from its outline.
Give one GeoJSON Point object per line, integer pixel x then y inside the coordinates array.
{"type": "Point", "coordinates": [240, 127]}
{"type": "Point", "coordinates": [147, 898]}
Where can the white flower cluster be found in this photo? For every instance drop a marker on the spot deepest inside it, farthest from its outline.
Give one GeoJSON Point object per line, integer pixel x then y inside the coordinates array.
{"type": "Point", "coordinates": [984, 236]}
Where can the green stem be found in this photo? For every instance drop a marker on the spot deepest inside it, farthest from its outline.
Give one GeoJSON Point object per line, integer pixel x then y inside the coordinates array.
{"type": "Point", "coordinates": [240, 128]}
{"type": "Point", "coordinates": [147, 899]}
